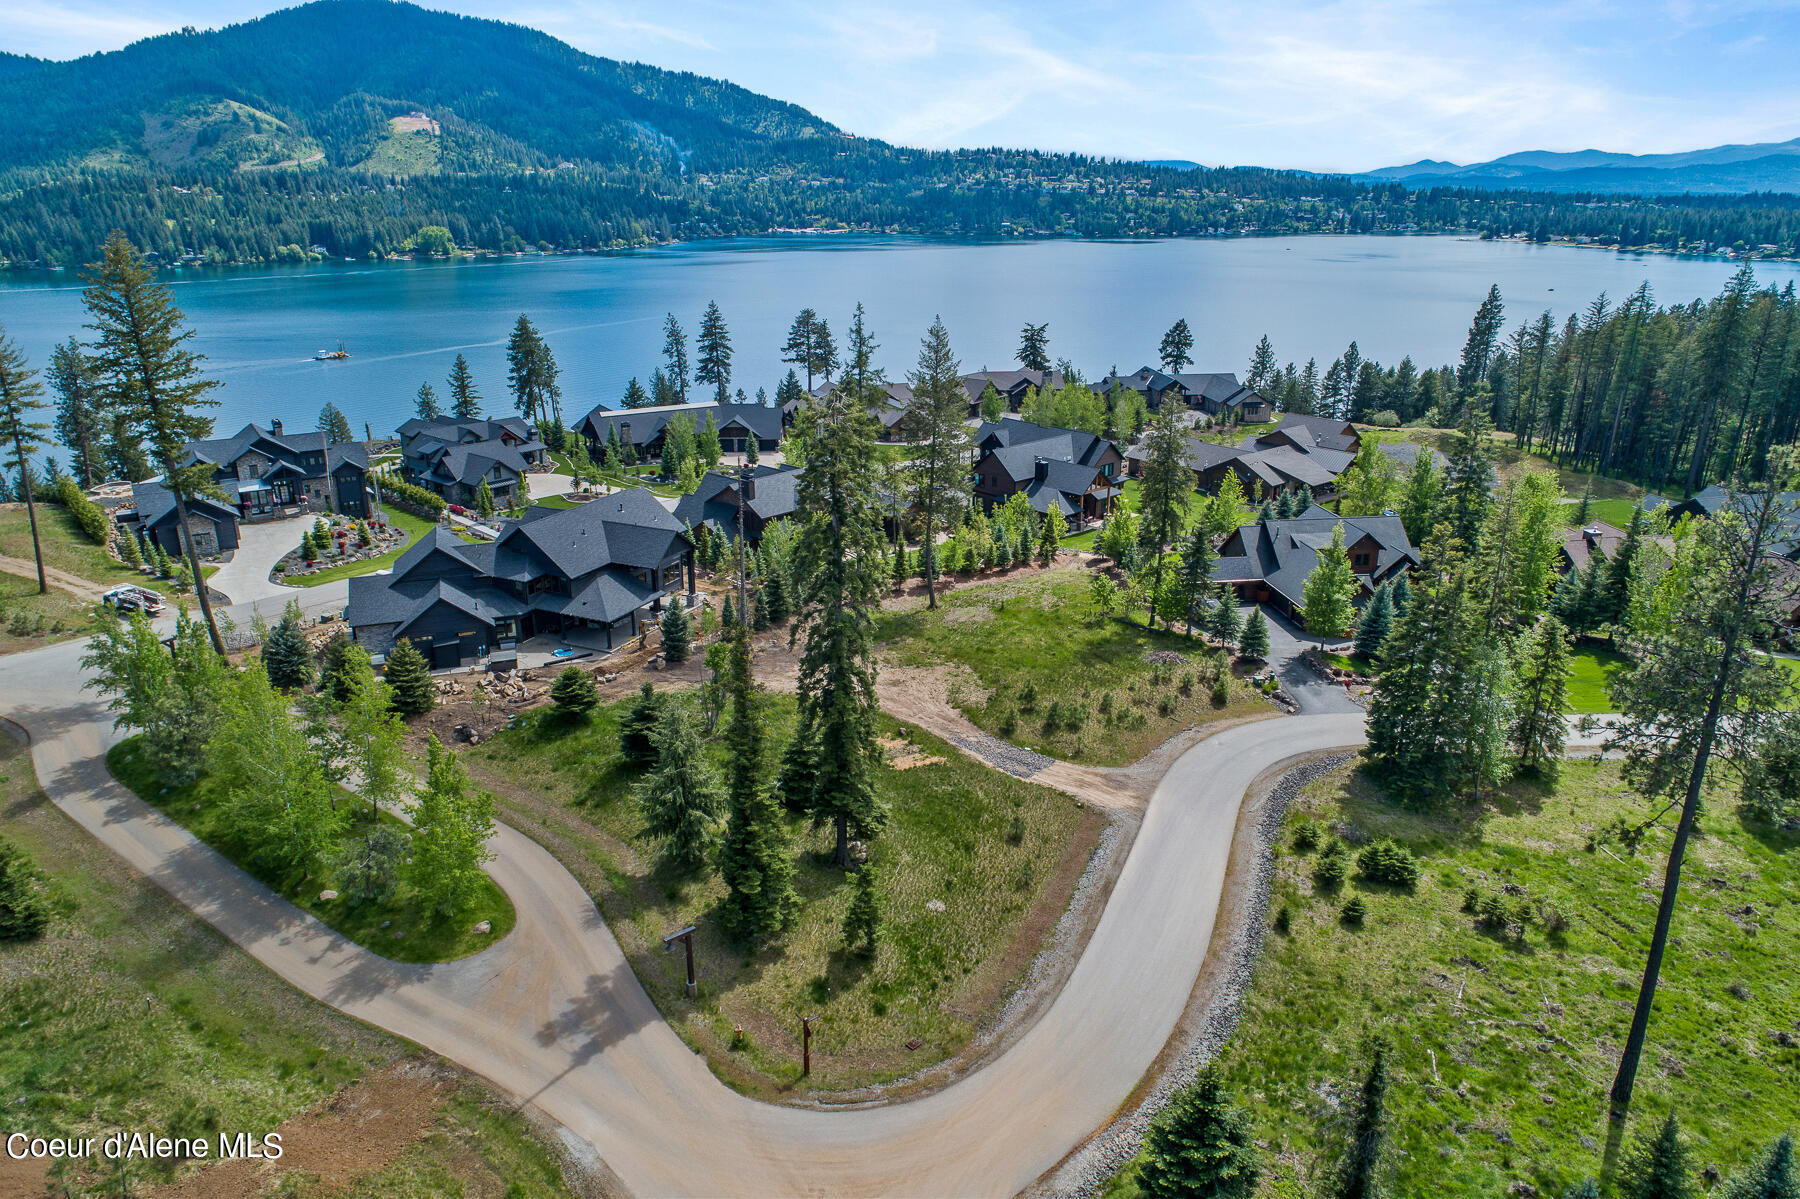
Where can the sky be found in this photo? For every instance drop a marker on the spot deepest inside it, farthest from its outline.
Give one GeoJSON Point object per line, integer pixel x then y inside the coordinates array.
{"type": "Point", "coordinates": [1282, 83]}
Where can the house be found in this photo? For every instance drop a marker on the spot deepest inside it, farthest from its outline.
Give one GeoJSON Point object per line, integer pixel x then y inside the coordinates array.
{"type": "Point", "coordinates": [1260, 472]}
{"type": "Point", "coordinates": [270, 472]}
{"type": "Point", "coordinates": [1578, 546]}
{"type": "Point", "coordinates": [1213, 393]}
{"type": "Point", "coordinates": [765, 494]}
{"type": "Point", "coordinates": [1269, 562]}
{"type": "Point", "coordinates": [212, 524]}
{"type": "Point", "coordinates": [1715, 499]}
{"type": "Point", "coordinates": [1013, 386]}
{"type": "Point", "coordinates": [452, 457]}
{"type": "Point", "coordinates": [593, 574]}
{"type": "Point", "coordinates": [644, 427]}
{"type": "Point", "coordinates": [1310, 433]}
{"type": "Point", "coordinates": [893, 410]}
{"type": "Point", "coordinates": [1073, 472]}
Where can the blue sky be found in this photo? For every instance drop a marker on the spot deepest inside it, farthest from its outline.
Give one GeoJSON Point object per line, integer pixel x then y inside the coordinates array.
{"type": "Point", "coordinates": [1342, 86]}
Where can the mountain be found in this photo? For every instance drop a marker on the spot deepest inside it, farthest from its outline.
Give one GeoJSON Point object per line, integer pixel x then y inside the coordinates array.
{"type": "Point", "coordinates": [375, 85]}
{"type": "Point", "coordinates": [1719, 170]}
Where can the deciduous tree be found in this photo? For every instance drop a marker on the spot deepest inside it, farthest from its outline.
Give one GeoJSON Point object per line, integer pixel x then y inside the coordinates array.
{"type": "Point", "coordinates": [452, 822]}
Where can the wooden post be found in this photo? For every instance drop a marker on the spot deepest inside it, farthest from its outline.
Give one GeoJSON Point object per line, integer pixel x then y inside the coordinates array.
{"type": "Point", "coordinates": [686, 937]}
{"type": "Point", "coordinates": [805, 1046]}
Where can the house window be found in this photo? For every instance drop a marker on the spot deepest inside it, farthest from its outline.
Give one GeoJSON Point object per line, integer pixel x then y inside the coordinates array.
{"type": "Point", "coordinates": [1106, 470]}
{"type": "Point", "coordinates": [1360, 561]}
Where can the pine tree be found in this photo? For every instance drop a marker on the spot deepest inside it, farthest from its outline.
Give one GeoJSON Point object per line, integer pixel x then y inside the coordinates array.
{"type": "Point", "coordinates": [1329, 591]}
{"type": "Point", "coordinates": [1222, 624]}
{"type": "Point", "coordinates": [1658, 1166]}
{"type": "Point", "coordinates": [531, 373]}
{"type": "Point", "coordinates": [1196, 571]}
{"type": "Point", "coordinates": [1253, 642]}
{"type": "Point", "coordinates": [1376, 623]}
{"type": "Point", "coordinates": [339, 666]}
{"type": "Point", "coordinates": [1177, 347]}
{"type": "Point", "coordinates": [1284, 505]}
{"type": "Point", "coordinates": [677, 631]}
{"type": "Point", "coordinates": [1050, 534]}
{"type": "Point", "coordinates": [1402, 594]}
{"type": "Point", "coordinates": [674, 370]}
{"type": "Point", "coordinates": [940, 469]}
{"type": "Point", "coordinates": [1468, 486]}
{"type": "Point", "coordinates": [484, 500]}
{"type": "Point", "coordinates": [1616, 592]}
{"type": "Point", "coordinates": [1200, 1146]}
{"type": "Point", "coordinates": [465, 398]}
{"type": "Point", "coordinates": [1163, 494]}
{"type": "Point", "coordinates": [901, 571]}
{"type": "Point", "coordinates": [452, 822]}
{"type": "Point", "coordinates": [286, 655]}
{"type": "Point", "coordinates": [680, 798]}
{"type": "Point", "coordinates": [1774, 1176]}
{"type": "Point", "coordinates": [712, 350]}
{"type": "Point", "coordinates": [1034, 347]}
{"type": "Point", "coordinates": [635, 397]}
{"type": "Point", "coordinates": [24, 908]}
{"type": "Point", "coordinates": [799, 347]}
{"type": "Point", "coordinates": [409, 678]}
{"type": "Point", "coordinates": [1357, 1173]}
{"type": "Point", "coordinates": [836, 560]}
{"type": "Point", "coordinates": [20, 435]}
{"type": "Point", "coordinates": [1541, 695]}
{"type": "Point", "coordinates": [574, 693]}
{"type": "Point", "coordinates": [755, 859]}
{"type": "Point", "coordinates": [1262, 366]}
{"type": "Point", "coordinates": [146, 373]}
{"type": "Point", "coordinates": [636, 747]}
{"type": "Point", "coordinates": [335, 425]}
{"type": "Point", "coordinates": [426, 405]}
{"type": "Point", "coordinates": [862, 922]}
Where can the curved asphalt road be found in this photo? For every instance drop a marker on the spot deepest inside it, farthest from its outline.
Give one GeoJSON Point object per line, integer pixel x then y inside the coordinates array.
{"type": "Point", "coordinates": [554, 1015]}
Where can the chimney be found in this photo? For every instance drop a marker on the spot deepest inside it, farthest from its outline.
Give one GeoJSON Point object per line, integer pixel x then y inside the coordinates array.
{"type": "Point", "coordinates": [749, 488]}
{"type": "Point", "coordinates": [275, 426]}
{"type": "Point", "coordinates": [1041, 469]}
{"type": "Point", "coordinates": [1592, 536]}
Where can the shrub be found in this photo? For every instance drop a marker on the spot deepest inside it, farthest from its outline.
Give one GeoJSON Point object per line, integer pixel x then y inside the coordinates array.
{"type": "Point", "coordinates": [1333, 866]}
{"type": "Point", "coordinates": [1306, 836]}
{"type": "Point", "coordinates": [574, 693]}
{"type": "Point", "coordinates": [1388, 862]}
{"type": "Point", "coordinates": [1221, 692]}
{"type": "Point", "coordinates": [409, 498]}
{"type": "Point", "coordinates": [24, 911]}
{"type": "Point", "coordinates": [1471, 898]}
{"type": "Point", "coordinates": [1387, 418]}
{"type": "Point", "coordinates": [90, 516]}
{"type": "Point", "coordinates": [1028, 696]}
{"type": "Point", "coordinates": [1355, 910]}
{"type": "Point", "coordinates": [1284, 922]}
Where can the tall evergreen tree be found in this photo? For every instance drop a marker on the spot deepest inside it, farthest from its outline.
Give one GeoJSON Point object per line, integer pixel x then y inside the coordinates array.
{"type": "Point", "coordinates": [1376, 623]}
{"type": "Point", "coordinates": [636, 726]}
{"type": "Point", "coordinates": [531, 373]}
{"type": "Point", "coordinates": [1468, 486]}
{"type": "Point", "coordinates": [1538, 730]}
{"type": "Point", "coordinates": [799, 346]}
{"type": "Point", "coordinates": [712, 353]}
{"type": "Point", "coordinates": [286, 656]}
{"type": "Point", "coordinates": [80, 424]}
{"type": "Point", "coordinates": [1034, 347]}
{"type": "Point", "coordinates": [1163, 493]}
{"type": "Point", "coordinates": [1657, 1167]}
{"type": "Point", "coordinates": [1358, 1171]}
{"type": "Point", "coordinates": [1705, 682]}
{"type": "Point", "coordinates": [465, 397]}
{"type": "Point", "coordinates": [1261, 375]}
{"type": "Point", "coordinates": [1253, 642]}
{"type": "Point", "coordinates": [1176, 350]}
{"type": "Point", "coordinates": [1200, 1145]}
{"type": "Point", "coordinates": [425, 404]}
{"type": "Point", "coordinates": [1196, 571]}
{"type": "Point", "coordinates": [335, 425]}
{"type": "Point", "coordinates": [21, 435]}
{"type": "Point", "coordinates": [1617, 590]}
{"type": "Point", "coordinates": [675, 361]}
{"type": "Point", "coordinates": [677, 631]}
{"type": "Point", "coordinates": [680, 798]}
{"type": "Point", "coordinates": [635, 397]}
{"type": "Point", "coordinates": [830, 770]}
{"type": "Point", "coordinates": [940, 466]}
{"type": "Point", "coordinates": [145, 370]}
{"type": "Point", "coordinates": [1222, 622]}
{"type": "Point", "coordinates": [755, 859]}
{"type": "Point", "coordinates": [409, 678]}
{"type": "Point", "coordinates": [1484, 335]}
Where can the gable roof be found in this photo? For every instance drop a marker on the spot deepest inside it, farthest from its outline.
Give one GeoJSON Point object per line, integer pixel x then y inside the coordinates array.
{"type": "Point", "coordinates": [647, 423]}
{"type": "Point", "coordinates": [1282, 553]}
{"type": "Point", "coordinates": [777, 495]}
{"type": "Point", "coordinates": [283, 447]}
{"type": "Point", "coordinates": [156, 503]}
{"type": "Point", "coordinates": [1317, 432]}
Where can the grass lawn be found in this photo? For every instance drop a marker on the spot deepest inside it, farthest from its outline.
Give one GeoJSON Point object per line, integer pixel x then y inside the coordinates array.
{"type": "Point", "coordinates": [130, 1013]}
{"type": "Point", "coordinates": [28, 620]}
{"type": "Point", "coordinates": [1033, 642]}
{"type": "Point", "coordinates": [1590, 666]}
{"type": "Point", "coordinates": [1616, 512]}
{"type": "Point", "coordinates": [999, 854]}
{"type": "Point", "coordinates": [414, 934]}
{"type": "Point", "coordinates": [415, 526]}
{"type": "Point", "coordinates": [554, 501]}
{"type": "Point", "coordinates": [1508, 1082]}
{"type": "Point", "coordinates": [66, 548]}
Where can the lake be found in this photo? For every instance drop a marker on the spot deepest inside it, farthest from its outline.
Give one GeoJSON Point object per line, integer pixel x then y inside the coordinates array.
{"type": "Point", "coordinates": [1107, 304]}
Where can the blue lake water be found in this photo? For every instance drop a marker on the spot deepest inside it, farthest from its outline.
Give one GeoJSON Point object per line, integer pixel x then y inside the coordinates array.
{"type": "Point", "coordinates": [1107, 304]}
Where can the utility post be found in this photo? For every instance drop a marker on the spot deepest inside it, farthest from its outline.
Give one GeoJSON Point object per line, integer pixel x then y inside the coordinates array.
{"type": "Point", "coordinates": [686, 937]}
{"type": "Point", "coordinates": [806, 1045]}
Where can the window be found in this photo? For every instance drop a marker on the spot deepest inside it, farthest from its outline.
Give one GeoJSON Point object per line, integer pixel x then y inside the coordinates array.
{"type": "Point", "coordinates": [1360, 561]}
{"type": "Point", "coordinates": [1106, 470]}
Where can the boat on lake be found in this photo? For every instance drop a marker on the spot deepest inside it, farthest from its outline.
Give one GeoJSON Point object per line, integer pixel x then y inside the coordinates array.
{"type": "Point", "coordinates": [331, 355]}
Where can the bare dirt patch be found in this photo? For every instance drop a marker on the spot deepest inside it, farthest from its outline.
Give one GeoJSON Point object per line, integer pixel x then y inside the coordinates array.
{"type": "Point", "coordinates": [355, 1132]}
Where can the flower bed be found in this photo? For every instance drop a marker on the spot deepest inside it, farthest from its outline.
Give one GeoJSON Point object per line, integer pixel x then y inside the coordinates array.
{"type": "Point", "coordinates": [343, 543]}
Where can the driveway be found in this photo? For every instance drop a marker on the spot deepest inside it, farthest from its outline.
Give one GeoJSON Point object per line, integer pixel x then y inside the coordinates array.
{"type": "Point", "coordinates": [245, 579]}
{"type": "Point", "coordinates": [554, 1015]}
{"type": "Point", "coordinates": [1287, 641]}
{"type": "Point", "coordinates": [538, 486]}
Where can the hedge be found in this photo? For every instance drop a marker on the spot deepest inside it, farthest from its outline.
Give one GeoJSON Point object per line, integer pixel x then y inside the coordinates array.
{"type": "Point", "coordinates": [90, 516]}
{"type": "Point", "coordinates": [409, 498]}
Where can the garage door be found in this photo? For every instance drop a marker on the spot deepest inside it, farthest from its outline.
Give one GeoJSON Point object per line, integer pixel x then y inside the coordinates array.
{"type": "Point", "coordinates": [446, 654]}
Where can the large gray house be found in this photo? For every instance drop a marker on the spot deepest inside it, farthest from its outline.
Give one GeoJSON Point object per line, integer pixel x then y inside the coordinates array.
{"type": "Point", "coordinates": [453, 457]}
{"type": "Point", "coordinates": [269, 472]}
{"type": "Point", "coordinates": [592, 574]}
{"type": "Point", "coordinates": [643, 428]}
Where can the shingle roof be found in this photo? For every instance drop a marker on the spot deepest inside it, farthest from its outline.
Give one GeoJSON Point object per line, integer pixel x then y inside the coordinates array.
{"type": "Point", "coordinates": [648, 422]}
{"type": "Point", "coordinates": [1282, 553]}
{"type": "Point", "coordinates": [283, 447]}
{"type": "Point", "coordinates": [627, 528]}
{"type": "Point", "coordinates": [154, 503]}
{"type": "Point", "coordinates": [777, 495]}
{"type": "Point", "coordinates": [1318, 432]}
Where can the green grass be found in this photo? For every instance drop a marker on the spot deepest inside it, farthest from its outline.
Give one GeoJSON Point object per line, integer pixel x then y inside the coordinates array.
{"type": "Point", "coordinates": [415, 526]}
{"type": "Point", "coordinates": [1517, 1090]}
{"type": "Point", "coordinates": [1590, 666]}
{"type": "Point", "coordinates": [402, 929]}
{"type": "Point", "coordinates": [985, 845]}
{"type": "Point", "coordinates": [1038, 633]}
{"type": "Point", "coordinates": [28, 620]}
{"type": "Point", "coordinates": [554, 501]}
{"type": "Point", "coordinates": [66, 548]}
{"type": "Point", "coordinates": [130, 1013]}
{"type": "Point", "coordinates": [1615, 512]}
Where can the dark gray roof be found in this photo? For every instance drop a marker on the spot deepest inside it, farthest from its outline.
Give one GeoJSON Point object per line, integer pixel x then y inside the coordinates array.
{"type": "Point", "coordinates": [1318, 432]}
{"type": "Point", "coordinates": [648, 423]}
{"type": "Point", "coordinates": [626, 528]}
{"type": "Point", "coordinates": [777, 495]}
{"type": "Point", "coordinates": [1282, 553]}
{"type": "Point", "coordinates": [283, 447]}
{"type": "Point", "coordinates": [448, 429]}
{"type": "Point", "coordinates": [156, 503]}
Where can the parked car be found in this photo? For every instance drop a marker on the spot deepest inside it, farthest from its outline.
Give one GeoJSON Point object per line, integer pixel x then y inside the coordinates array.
{"type": "Point", "coordinates": [127, 598]}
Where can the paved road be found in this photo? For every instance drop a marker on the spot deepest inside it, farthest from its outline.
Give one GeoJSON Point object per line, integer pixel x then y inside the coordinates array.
{"type": "Point", "coordinates": [1287, 641]}
{"type": "Point", "coordinates": [245, 578]}
{"type": "Point", "coordinates": [554, 1015]}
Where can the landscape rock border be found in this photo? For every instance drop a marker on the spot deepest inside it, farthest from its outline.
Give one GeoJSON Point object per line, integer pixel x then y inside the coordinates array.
{"type": "Point", "coordinates": [1085, 1173]}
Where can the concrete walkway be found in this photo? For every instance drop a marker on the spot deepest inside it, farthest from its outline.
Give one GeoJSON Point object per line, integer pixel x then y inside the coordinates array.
{"type": "Point", "coordinates": [554, 1015]}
